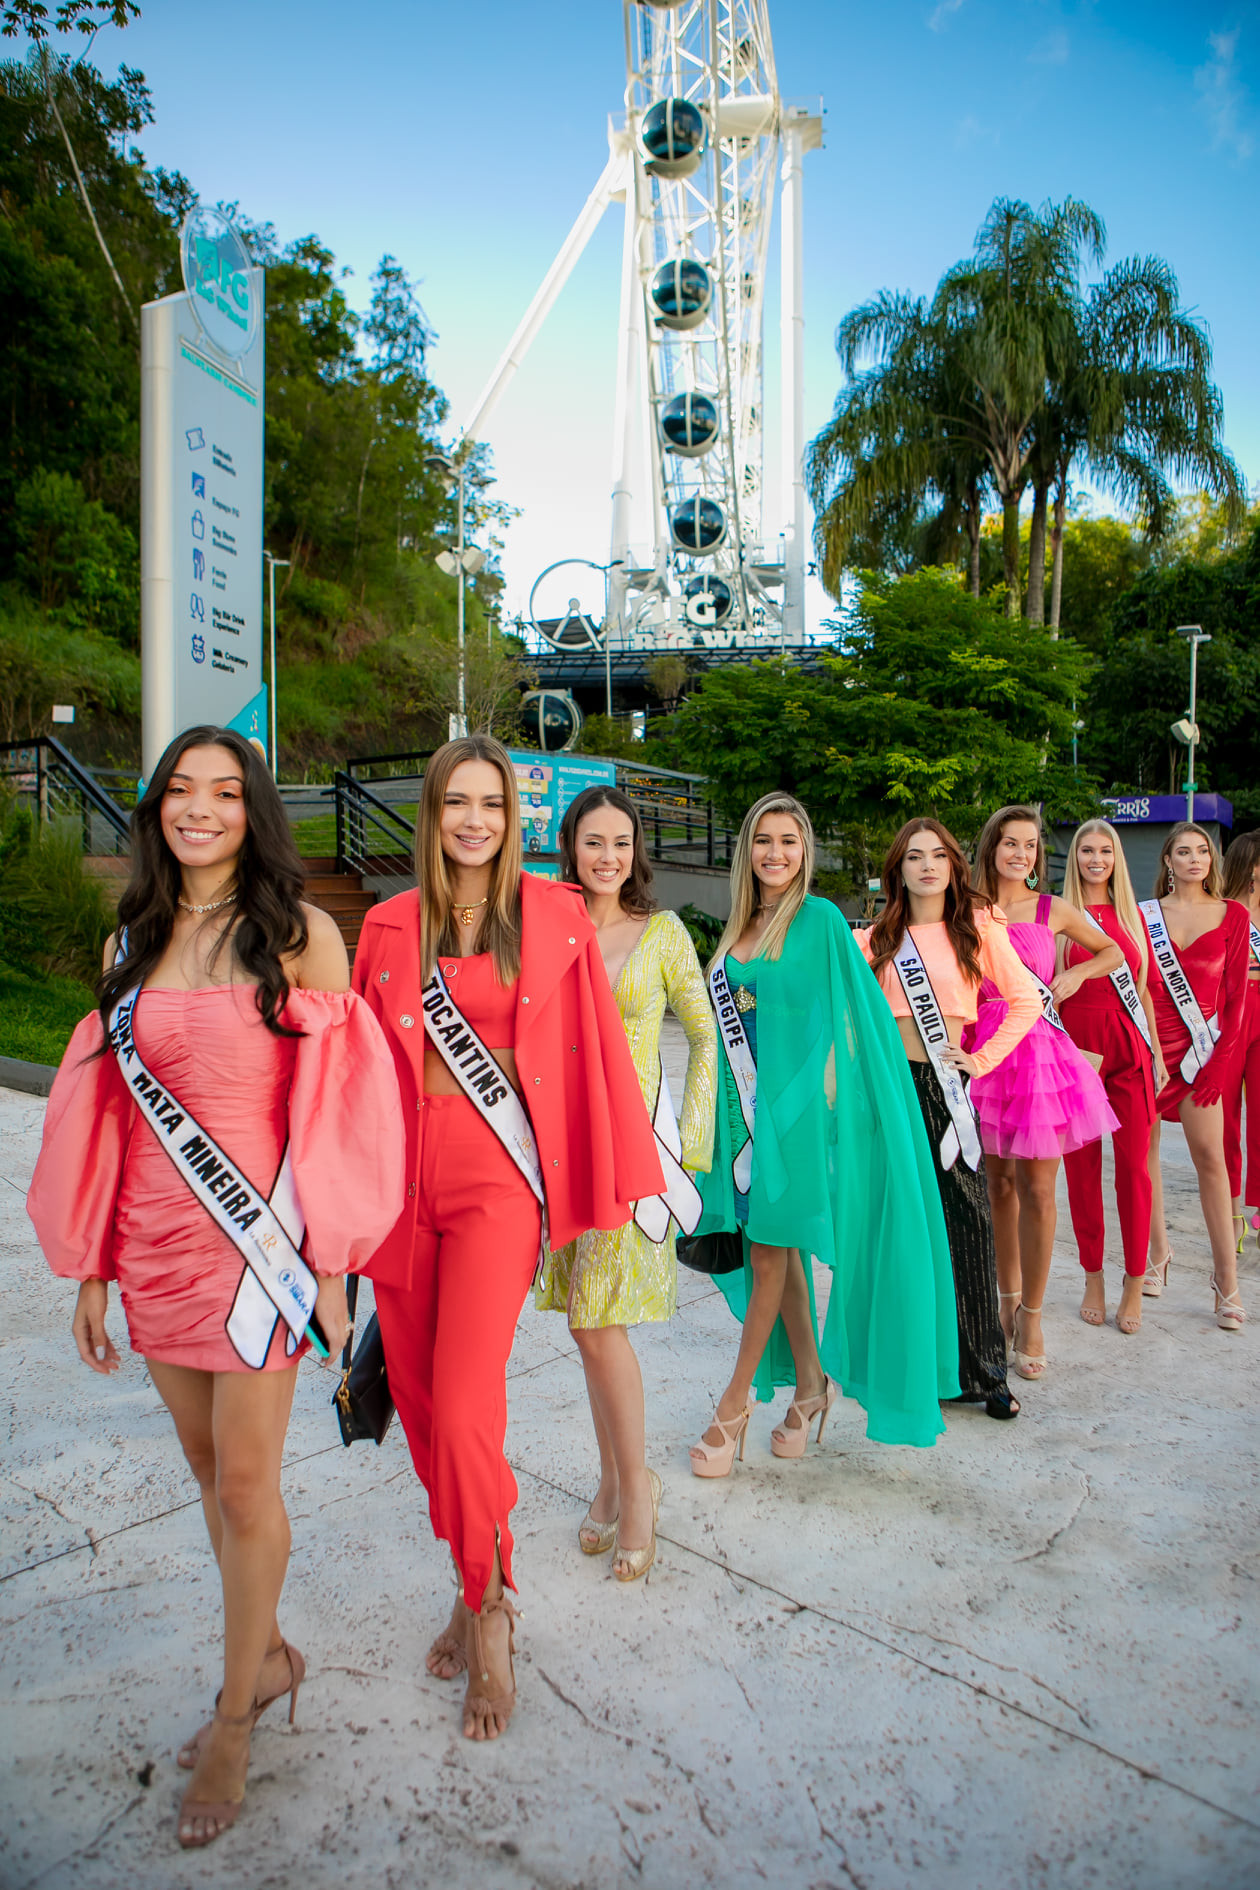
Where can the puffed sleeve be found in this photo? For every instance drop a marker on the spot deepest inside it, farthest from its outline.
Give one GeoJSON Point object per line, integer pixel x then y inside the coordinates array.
{"type": "Point", "coordinates": [345, 1129]}
{"type": "Point", "coordinates": [1001, 962]}
{"type": "Point", "coordinates": [688, 999]}
{"type": "Point", "coordinates": [87, 1126]}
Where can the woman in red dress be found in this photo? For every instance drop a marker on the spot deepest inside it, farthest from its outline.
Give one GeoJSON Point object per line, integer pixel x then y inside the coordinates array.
{"type": "Point", "coordinates": [486, 952]}
{"type": "Point", "coordinates": [1242, 882]}
{"type": "Point", "coordinates": [1129, 1061]}
{"type": "Point", "coordinates": [1209, 936]}
{"type": "Point", "coordinates": [243, 1021]}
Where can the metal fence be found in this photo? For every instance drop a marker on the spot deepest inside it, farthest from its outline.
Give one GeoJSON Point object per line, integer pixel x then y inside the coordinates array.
{"type": "Point", "coordinates": [45, 777]}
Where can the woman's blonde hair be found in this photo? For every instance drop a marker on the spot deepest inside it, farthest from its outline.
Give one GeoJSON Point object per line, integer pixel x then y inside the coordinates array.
{"type": "Point", "coordinates": [984, 873]}
{"type": "Point", "coordinates": [501, 929]}
{"type": "Point", "coordinates": [1123, 897]}
{"type": "Point", "coordinates": [1212, 884]}
{"type": "Point", "coordinates": [744, 896]}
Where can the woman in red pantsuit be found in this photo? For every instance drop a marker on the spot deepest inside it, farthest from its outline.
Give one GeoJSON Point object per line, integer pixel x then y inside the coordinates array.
{"type": "Point", "coordinates": [1209, 935]}
{"type": "Point", "coordinates": [521, 965]}
{"type": "Point", "coordinates": [1242, 882]}
{"type": "Point", "coordinates": [1097, 882]}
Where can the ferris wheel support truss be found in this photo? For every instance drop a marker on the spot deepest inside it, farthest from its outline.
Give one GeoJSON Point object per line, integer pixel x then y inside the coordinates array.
{"type": "Point", "coordinates": [716, 57]}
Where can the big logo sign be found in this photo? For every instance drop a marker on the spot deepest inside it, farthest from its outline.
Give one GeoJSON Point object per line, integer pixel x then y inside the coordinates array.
{"type": "Point", "coordinates": [217, 277]}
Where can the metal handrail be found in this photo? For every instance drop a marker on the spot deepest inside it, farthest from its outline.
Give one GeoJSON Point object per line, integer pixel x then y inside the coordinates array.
{"type": "Point", "coordinates": [361, 814]}
{"type": "Point", "coordinates": [60, 781]}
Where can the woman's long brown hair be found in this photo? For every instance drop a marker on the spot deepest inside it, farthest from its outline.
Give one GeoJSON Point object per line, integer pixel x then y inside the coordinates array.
{"type": "Point", "coordinates": [961, 900]}
{"type": "Point", "coordinates": [501, 931]}
{"type": "Point", "coordinates": [985, 874]}
{"type": "Point", "coordinates": [1242, 861]}
{"type": "Point", "coordinates": [267, 923]}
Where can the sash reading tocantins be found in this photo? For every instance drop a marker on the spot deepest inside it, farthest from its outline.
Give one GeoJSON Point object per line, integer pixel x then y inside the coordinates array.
{"type": "Point", "coordinates": [482, 1081]}
{"type": "Point", "coordinates": [276, 1282]}
{"type": "Point", "coordinates": [1204, 1031]}
{"type": "Point", "coordinates": [962, 1137]}
{"type": "Point", "coordinates": [743, 1068]}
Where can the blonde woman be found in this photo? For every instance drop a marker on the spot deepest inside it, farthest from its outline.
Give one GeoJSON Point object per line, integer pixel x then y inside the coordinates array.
{"type": "Point", "coordinates": [819, 1152]}
{"type": "Point", "coordinates": [1202, 940]}
{"type": "Point", "coordinates": [517, 1089]}
{"type": "Point", "coordinates": [609, 1280]}
{"type": "Point", "coordinates": [1242, 882]}
{"type": "Point", "coordinates": [1122, 1041]}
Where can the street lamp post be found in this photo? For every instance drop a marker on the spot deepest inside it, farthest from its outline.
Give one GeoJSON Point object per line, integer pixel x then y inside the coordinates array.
{"type": "Point", "coordinates": [271, 582]}
{"type": "Point", "coordinates": [1194, 635]}
{"type": "Point", "coordinates": [460, 563]}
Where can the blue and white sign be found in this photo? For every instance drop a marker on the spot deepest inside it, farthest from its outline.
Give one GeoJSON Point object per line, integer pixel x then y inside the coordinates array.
{"type": "Point", "coordinates": [201, 422]}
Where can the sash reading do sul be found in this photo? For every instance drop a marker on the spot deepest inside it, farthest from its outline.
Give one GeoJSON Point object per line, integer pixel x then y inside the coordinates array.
{"type": "Point", "coordinates": [1204, 1031]}
{"type": "Point", "coordinates": [962, 1137]}
{"type": "Point", "coordinates": [276, 1282]}
{"type": "Point", "coordinates": [680, 1200]}
{"type": "Point", "coordinates": [482, 1081]}
{"type": "Point", "coordinates": [1126, 990]}
{"type": "Point", "coordinates": [743, 1068]}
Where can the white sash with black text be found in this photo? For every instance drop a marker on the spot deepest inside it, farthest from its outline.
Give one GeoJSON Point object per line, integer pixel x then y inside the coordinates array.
{"type": "Point", "coordinates": [1046, 995]}
{"type": "Point", "coordinates": [276, 1282]}
{"type": "Point", "coordinates": [482, 1081]}
{"type": "Point", "coordinates": [743, 1068]}
{"type": "Point", "coordinates": [1204, 1031]}
{"type": "Point", "coordinates": [680, 1198]}
{"type": "Point", "coordinates": [1126, 990]}
{"type": "Point", "coordinates": [1255, 945]}
{"type": "Point", "coordinates": [962, 1137]}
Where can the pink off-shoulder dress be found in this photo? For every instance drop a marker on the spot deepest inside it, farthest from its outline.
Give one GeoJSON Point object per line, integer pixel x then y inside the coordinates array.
{"type": "Point", "coordinates": [108, 1203]}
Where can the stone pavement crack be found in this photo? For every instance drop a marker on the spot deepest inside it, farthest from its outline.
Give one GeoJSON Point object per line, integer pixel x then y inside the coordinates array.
{"type": "Point", "coordinates": [986, 1660]}
{"type": "Point", "coordinates": [84, 1850]}
{"type": "Point", "coordinates": [1034, 1555]}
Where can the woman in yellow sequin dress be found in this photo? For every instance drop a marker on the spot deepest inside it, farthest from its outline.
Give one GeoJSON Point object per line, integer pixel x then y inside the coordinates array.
{"type": "Point", "coordinates": [608, 1280]}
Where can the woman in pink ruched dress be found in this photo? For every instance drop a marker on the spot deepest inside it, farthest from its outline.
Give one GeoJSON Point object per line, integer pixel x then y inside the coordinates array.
{"type": "Point", "coordinates": [247, 1033]}
{"type": "Point", "coordinates": [1044, 1100]}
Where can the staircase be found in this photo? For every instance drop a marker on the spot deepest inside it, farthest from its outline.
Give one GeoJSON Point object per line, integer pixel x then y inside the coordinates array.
{"type": "Point", "coordinates": [341, 895]}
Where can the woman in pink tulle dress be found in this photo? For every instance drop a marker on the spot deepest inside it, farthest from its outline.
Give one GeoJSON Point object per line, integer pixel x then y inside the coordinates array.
{"type": "Point", "coordinates": [235, 1043]}
{"type": "Point", "coordinates": [1044, 1099]}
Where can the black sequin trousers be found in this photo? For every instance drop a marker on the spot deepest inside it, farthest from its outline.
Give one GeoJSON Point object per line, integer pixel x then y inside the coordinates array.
{"type": "Point", "coordinates": [969, 1229]}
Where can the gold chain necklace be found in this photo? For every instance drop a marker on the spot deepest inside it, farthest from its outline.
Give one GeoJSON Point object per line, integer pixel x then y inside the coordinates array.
{"type": "Point", "coordinates": [465, 913]}
{"type": "Point", "coordinates": [212, 907]}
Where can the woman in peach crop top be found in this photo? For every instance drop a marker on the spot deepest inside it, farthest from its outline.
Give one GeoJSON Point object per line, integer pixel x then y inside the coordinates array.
{"type": "Point", "coordinates": [928, 898]}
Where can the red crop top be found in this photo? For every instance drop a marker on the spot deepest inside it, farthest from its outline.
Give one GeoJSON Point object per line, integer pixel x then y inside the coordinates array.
{"type": "Point", "coordinates": [490, 1007]}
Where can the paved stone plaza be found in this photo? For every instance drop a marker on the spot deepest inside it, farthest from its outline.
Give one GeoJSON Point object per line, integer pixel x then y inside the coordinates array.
{"type": "Point", "coordinates": [1026, 1657]}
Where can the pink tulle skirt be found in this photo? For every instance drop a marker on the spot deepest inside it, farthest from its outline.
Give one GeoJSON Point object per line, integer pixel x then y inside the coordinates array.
{"type": "Point", "coordinates": [1043, 1100]}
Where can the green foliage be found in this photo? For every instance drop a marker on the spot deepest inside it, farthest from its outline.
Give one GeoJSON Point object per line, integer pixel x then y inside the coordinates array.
{"type": "Point", "coordinates": [57, 917]}
{"type": "Point", "coordinates": [76, 557]}
{"type": "Point", "coordinates": [704, 930]}
{"type": "Point", "coordinates": [41, 663]}
{"type": "Point", "coordinates": [611, 735]}
{"type": "Point", "coordinates": [38, 1015]}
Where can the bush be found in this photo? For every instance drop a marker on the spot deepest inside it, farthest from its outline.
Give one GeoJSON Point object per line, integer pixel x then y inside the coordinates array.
{"type": "Point", "coordinates": [57, 918]}
{"type": "Point", "coordinates": [76, 556]}
{"type": "Point", "coordinates": [37, 1015]}
{"type": "Point", "coordinates": [704, 929]}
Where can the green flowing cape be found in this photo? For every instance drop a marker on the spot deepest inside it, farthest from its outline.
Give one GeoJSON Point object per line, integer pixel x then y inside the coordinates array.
{"type": "Point", "coordinates": [848, 1178]}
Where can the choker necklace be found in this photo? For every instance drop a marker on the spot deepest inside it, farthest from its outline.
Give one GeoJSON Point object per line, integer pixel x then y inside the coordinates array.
{"type": "Point", "coordinates": [212, 907]}
{"type": "Point", "coordinates": [465, 913]}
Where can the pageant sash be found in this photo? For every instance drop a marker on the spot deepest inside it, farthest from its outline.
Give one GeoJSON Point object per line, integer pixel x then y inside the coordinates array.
{"type": "Point", "coordinates": [962, 1137]}
{"type": "Point", "coordinates": [1126, 990]}
{"type": "Point", "coordinates": [482, 1081]}
{"type": "Point", "coordinates": [743, 1067]}
{"type": "Point", "coordinates": [1255, 945]}
{"type": "Point", "coordinates": [1046, 995]}
{"type": "Point", "coordinates": [1204, 1031]}
{"type": "Point", "coordinates": [276, 1282]}
{"type": "Point", "coordinates": [680, 1200]}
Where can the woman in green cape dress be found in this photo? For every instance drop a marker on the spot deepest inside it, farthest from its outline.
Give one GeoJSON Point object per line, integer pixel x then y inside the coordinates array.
{"type": "Point", "coordinates": [840, 1168]}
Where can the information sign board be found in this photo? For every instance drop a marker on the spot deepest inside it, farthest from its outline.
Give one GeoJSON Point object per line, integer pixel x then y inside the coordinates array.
{"type": "Point", "coordinates": [547, 784]}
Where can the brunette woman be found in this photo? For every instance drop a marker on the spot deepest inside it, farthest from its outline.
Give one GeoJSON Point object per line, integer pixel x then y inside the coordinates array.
{"type": "Point", "coordinates": [1242, 882]}
{"type": "Point", "coordinates": [818, 1153]}
{"type": "Point", "coordinates": [517, 1088]}
{"type": "Point", "coordinates": [1200, 944]}
{"type": "Point", "coordinates": [1112, 1021]}
{"type": "Point", "coordinates": [226, 1022]}
{"type": "Point", "coordinates": [608, 1280]}
{"type": "Point", "coordinates": [1046, 1099]}
{"type": "Point", "coordinates": [930, 948]}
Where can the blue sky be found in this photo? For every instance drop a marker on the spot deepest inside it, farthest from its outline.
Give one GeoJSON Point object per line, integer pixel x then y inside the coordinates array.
{"type": "Point", "coordinates": [463, 138]}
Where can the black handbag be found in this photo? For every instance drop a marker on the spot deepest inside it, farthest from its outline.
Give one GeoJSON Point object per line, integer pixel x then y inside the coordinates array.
{"type": "Point", "coordinates": [711, 1253]}
{"type": "Point", "coordinates": [362, 1400]}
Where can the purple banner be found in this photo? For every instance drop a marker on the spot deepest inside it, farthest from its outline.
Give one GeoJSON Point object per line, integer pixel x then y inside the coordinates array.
{"type": "Point", "coordinates": [1169, 808]}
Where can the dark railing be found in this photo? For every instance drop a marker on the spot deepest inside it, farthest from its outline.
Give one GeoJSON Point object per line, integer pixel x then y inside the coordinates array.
{"type": "Point", "coordinates": [679, 824]}
{"type": "Point", "coordinates": [47, 777]}
{"type": "Point", "coordinates": [372, 838]}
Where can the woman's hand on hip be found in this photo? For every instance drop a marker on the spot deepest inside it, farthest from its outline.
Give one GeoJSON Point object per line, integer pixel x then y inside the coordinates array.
{"type": "Point", "coordinates": [333, 1314]}
{"type": "Point", "coordinates": [95, 1346]}
{"type": "Point", "coordinates": [958, 1059]}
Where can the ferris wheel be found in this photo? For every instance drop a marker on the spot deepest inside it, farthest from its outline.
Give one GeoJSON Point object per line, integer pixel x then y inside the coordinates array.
{"type": "Point", "coordinates": [695, 163]}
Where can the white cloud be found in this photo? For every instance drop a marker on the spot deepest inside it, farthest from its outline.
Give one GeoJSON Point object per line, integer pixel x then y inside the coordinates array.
{"type": "Point", "coordinates": [1053, 50]}
{"type": "Point", "coordinates": [970, 131]}
{"type": "Point", "coordinates": [942, 13]}
{"type": "Point", "coordinates": [1223, 97]}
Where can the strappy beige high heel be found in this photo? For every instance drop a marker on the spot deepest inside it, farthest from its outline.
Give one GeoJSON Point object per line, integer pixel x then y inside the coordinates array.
{"type": "Point", "coordinates": [1027, 1364]}
{"type": "Point", "coordinates": [1001, 1297]}
{"type": "Point", "coordinates": [790, 1441]}
{"type": "Point", "coordinates": [1228, 1308]}
{"type": "Point", "coordinates": [481, 1710]}
{"type": "Point", "coordinates": [188, 1755]}
{"type": "Point", "coordinates": [718, 1460]}
{"type": "Point", "coordinates": [637, 1562]}
{"type": "Point", "coordinates": [221, 1816]}
{"type": "Point", "coordinates": [1095, 1315]}
{"type": "Point", "coordinates": [1155, 1279]}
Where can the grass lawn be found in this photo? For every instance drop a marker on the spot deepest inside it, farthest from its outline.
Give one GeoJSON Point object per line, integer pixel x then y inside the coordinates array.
{"type": "Point", "coordinates": [317, 837]}
{"type": "Point", "coordinates": [37, 1015]}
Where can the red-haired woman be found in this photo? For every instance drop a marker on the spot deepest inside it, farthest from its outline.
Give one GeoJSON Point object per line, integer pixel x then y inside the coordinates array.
{"type": "Point", "coordinates": [1242, 882]}
{"type": "Point", "coordinates": [930, 948]}
{"type": "Point", "coordinates": [518, 1088]}
{"type": "Point", "coordinates": [1200, 945]}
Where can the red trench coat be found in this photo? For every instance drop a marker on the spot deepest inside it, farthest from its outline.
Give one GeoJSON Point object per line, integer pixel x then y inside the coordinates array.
{"type": "Point", "coordinates": [579, 1084]}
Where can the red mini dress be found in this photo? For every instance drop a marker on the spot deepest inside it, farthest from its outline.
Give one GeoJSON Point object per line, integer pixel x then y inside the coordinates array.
{"type": "Point", "coordinates": [108, 1203]}
{"type": "Point", "coordinates": [1216, 969]}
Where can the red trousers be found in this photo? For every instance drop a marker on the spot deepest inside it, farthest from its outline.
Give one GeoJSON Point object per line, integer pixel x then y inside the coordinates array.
{"type": "Point", "coordinates": [1245, 1075]}
{"type": "Point", "coordinates": [447, 1338]}
{"type": "Point", "coordinates": [1127, 1079]}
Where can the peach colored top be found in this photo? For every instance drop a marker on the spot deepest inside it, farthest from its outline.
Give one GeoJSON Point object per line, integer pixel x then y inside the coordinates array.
{"type": "Point", "coordinates": [955, 992]}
